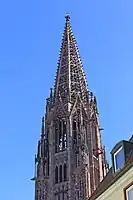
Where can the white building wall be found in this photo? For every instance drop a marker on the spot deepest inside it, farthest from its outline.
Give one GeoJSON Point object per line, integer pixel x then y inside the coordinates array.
{"type": "Point", "coordinates": [115, 191]}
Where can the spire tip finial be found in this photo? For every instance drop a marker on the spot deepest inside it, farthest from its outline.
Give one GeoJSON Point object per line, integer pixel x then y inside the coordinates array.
{"type": "Point", "coordinates": [67, 17]}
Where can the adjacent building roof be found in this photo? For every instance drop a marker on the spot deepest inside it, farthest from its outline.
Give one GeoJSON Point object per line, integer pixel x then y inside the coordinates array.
{"type": "Point", "coordinates": [112, 177]}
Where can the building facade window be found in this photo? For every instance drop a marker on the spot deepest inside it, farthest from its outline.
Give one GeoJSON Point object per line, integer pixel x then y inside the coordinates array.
{"type": "Point", "coordinates": [65, 172]}
{"type": "Point", "coordinates": [57, 196]}
{"type": "Point", "coordinates": [56, 174]}
{"type": "Point", "coordinates": [61, 195]}
{"type": "Point", "coordinates": [56, 137]}
{"type": "Point", "coordinates": [119, 158]}
{"type": "Point", "coordinates": [74, 132]}
{"type": "Point", "coordinates": [60, 135]}
{"type": "Point", "coordinates": [64, 135]}
{"type": "Point", "coordinates": [60, 176]}
{"type": "Point", "coordinates": [128, 192]}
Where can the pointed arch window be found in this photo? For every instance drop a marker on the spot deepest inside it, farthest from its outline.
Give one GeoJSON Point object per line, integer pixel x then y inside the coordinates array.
{"type": "Point", "coordinates": [56, 137]}
{"type": "Point", "coordinates": [74, 132]}
{"type": "Point", "coordinates": [80, 187]}
{"type": "Point", "coordinates": [56, 174]}
{"type": "Point", "coordinates": [65, 172]}
{"type": "Point", "coordinates": [60, 173]}
{"type": "Point", "coordinates": [60, 135]}
{"type": "Point", "coordinates": [64, 135]}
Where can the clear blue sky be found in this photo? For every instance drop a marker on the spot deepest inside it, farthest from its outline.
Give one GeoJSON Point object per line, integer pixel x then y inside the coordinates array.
{"type": "Point", "coordinates": [30, 37]}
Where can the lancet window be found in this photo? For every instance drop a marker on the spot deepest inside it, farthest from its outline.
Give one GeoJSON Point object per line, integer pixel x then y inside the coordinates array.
{"type": "Point", "coordinates": [56, 174]}
{"type": "Point", "coordinates": [74, 131]}
{"type": "Point", "coordinates": [64, 135]}
{"type": "Point", "coordinates": [57, 196]}
{"type": "Point", "coordinates": [60, 172]}
{"type": "Point", "coordinates": [65, 172]}
{"type": "Point", "coordinates": [61, 195]}
{"type": "Point", "coordinates": [80, 187]}
{"type": "Point", "coordinates": [56, 137]}
{"type": "Point", "coordinates": [60, 136]}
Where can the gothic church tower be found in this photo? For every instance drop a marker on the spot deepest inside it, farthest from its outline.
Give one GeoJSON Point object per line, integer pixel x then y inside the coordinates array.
{"type": "Point", "coordinates": [70, 161]}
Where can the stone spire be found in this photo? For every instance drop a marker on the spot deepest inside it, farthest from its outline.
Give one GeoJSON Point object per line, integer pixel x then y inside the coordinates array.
{"type": "Point", "coordinates": [70, 77]}
{"type": "Point", "coordinates": [70, 160]}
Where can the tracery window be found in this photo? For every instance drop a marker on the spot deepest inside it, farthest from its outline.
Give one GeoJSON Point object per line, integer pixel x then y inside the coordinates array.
{"type": "Point", "coordinates": [60, 136]}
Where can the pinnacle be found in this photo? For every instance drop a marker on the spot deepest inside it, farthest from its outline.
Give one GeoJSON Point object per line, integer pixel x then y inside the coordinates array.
{"type": "Point", "coordinates": [42, 129]}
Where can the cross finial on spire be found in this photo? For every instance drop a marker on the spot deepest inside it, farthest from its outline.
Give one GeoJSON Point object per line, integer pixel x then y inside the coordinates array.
{"type": "Point", "coordinates": [67, 17]}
